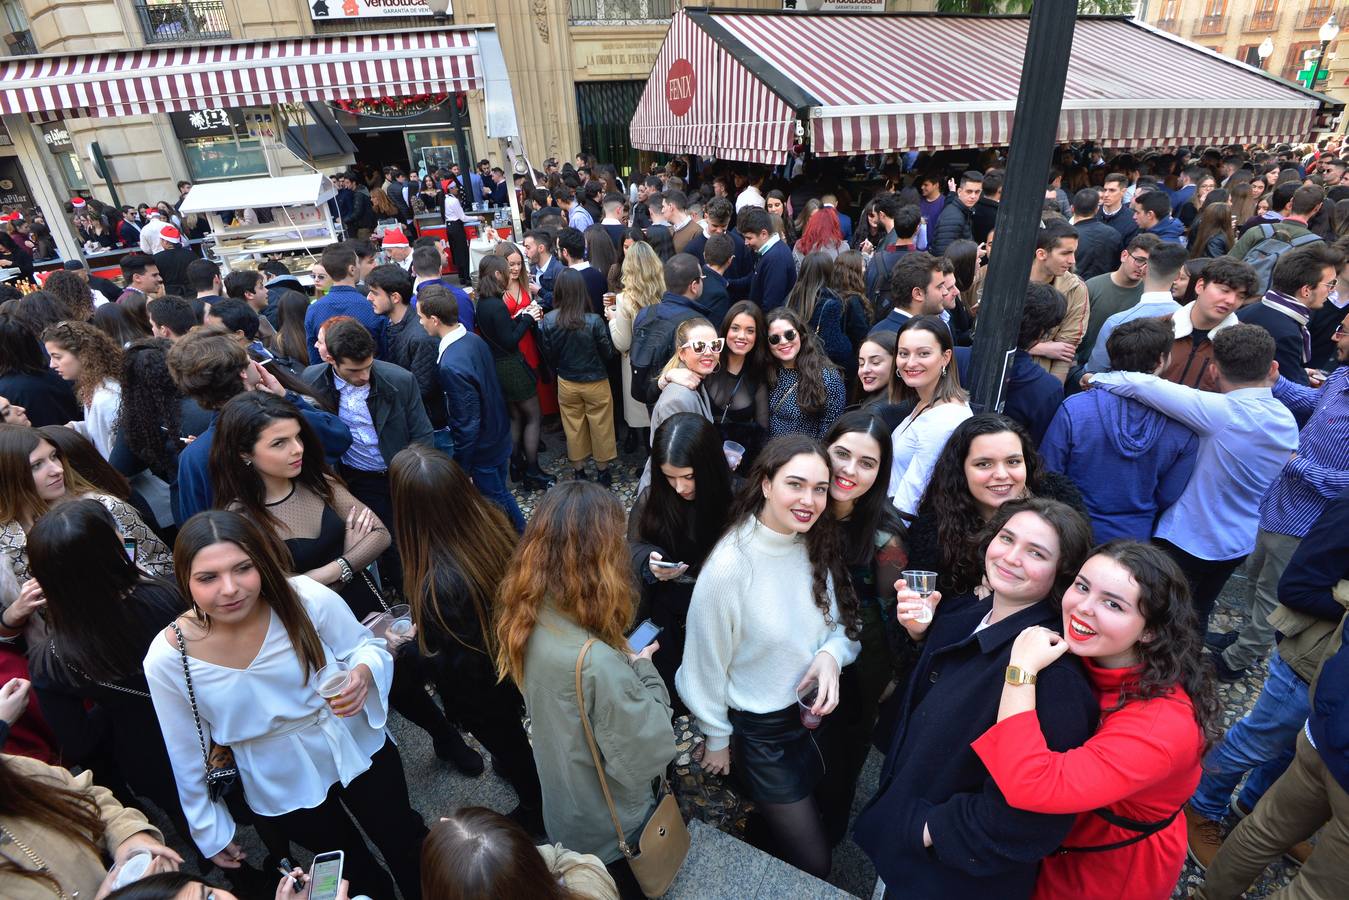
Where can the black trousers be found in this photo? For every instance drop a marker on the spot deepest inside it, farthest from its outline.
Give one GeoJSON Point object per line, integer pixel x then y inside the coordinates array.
{"type": "Point", "coordinates": [492, 715]}
{"type": "Point", "coordinates": [372, 489]}
{"type": "Point", "coordinates": [378, 801]}
{"type": "Point", "coordinates": [457, 238]}
{"type": "Point", "coordinates": [1206, 577]}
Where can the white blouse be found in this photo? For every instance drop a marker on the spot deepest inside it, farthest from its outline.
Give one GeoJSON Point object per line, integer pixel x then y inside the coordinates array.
{"type": "Point", "coordinates": [288, 744]}
{"type": "Point", "coordinates": [100, 417]}
{"type": "Point", "coordinates": [918, 441]}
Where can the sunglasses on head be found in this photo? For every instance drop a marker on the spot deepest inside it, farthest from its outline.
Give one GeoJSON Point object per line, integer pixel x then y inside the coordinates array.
{"type": "Point", "coordinates": [704, 346]}
{"type": "Point", "coordinates": [789, 335]}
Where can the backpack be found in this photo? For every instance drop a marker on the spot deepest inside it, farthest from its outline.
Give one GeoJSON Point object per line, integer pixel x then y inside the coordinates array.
{"type": "Point", "coordinates": [1263, 256]}
{"type": "Point", "coordinates": [652, 345]}
{"type": "Point", "coordinates": [879, 292]}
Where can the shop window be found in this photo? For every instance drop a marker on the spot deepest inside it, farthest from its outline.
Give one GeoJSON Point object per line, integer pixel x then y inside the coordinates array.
{"type": "Point", "coordinates": [224, 144]}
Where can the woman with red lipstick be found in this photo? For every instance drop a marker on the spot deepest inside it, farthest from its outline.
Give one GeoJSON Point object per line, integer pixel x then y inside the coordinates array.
{"type": "Point", "coordinates": [859, 462]}
{"type": "Point", "coordinates": [1129, 618]}
{"type": "Point", "coordinates": [773, 616]}
{"type": "Point", "coordinates": [678, 519]}
{"type": "Point", "coordinates": [739, 388]}
{"type": "Point", "coordinates": [267, 462]}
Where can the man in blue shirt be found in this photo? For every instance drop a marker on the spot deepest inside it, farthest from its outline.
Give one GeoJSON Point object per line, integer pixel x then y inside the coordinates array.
{"type": "Point", "coordinates": [343, 299]}
{"type": "Point", "coordinates": [480, 426]}
{"type": "Point", "coordinates": [1130, 461]}
{"type": "Point", "coordinates": [1296, 499]}
{"type": "Point", "coordinates": [1164, 265]}
{"type": "Point", "coordinates": [1245, 438]}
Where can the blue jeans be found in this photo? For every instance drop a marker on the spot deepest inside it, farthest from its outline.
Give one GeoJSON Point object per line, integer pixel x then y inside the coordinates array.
{"type": "Point", "coordinates": [1264, 741]}
{"type": "Point", "coordinates": [491, 481]}
{"type": "Point", "coordinates": [443, 441]}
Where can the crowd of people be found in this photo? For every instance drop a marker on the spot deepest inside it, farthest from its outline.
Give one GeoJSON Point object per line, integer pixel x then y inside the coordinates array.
{"type": "Point", "coordinates": [241, 524]}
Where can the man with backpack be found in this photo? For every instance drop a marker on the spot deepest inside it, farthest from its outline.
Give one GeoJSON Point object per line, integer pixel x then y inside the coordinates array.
{"type": "Point", "coordinates": [1263, 244]}
{"type": "Point", "coordinates": [1302, 280]}
{"type": "Point", "coordinates": [901, 224]}
{"type": "Point", "coordinates": [654, 328]}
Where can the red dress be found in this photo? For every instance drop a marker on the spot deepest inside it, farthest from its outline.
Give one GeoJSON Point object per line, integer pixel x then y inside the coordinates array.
{"type": "Point", "coordinates": [530, 350]}
{"type": "Point", "coordinates": [1143, 764]}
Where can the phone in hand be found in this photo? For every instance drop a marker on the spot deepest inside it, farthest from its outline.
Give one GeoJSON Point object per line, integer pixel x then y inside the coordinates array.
{"type": "Point", "coordinates": [643, 635]}
{"type": "Point", "coordinates": [129, 546]}
{"type": "Point", "coordinates": [325, 875]}
{"type": "Point", "coordinates": [665, 564]}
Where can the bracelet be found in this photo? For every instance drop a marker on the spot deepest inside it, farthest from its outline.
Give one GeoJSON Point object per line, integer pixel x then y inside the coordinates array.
{"type": "Point", "coordinates": [345, 568]}
{"type": "Point", "coordinates": [3, 623]}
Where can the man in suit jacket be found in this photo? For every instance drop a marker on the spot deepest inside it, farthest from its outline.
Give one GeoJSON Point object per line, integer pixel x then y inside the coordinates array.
{"type": "Point", "coordinates": [480, 426]}
{"type": "Point", "coordinates": [717, 259]}
{"type": "Point", "coordinates": [499, 187]}
{"type": "Point", "coordinates": [400, 192]}
{"type": "Point", "coordinates": [544, 267]}
{"type": "Point", "coordinates": [775, 270]}
{"type": "Point", "coordinates": [1098, 244]}
{"type": "Point", "coordinates": [571, 247]}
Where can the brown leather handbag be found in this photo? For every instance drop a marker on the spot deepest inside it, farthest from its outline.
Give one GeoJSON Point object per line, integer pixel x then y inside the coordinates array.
{"type": "Point", "coordinates": [664, 841]}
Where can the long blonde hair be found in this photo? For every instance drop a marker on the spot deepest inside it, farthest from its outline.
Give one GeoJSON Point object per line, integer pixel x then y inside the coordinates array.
{"type": "Point", "coordinates": [680, 336]}
{"type": "Point", "coordinates": [643, 279]}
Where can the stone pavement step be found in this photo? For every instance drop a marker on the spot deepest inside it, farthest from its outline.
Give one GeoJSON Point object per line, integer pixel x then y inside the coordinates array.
{"type": "Point", "coordinates": [721, 867]}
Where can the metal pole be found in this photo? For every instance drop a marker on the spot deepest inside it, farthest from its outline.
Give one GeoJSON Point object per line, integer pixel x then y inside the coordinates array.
{"type": "Point", "coordinates": [1039, 101]}
{"type": "Point", "coordinates": [1316, 74]}
{"type": "Point", "coordinates": [465, 161]}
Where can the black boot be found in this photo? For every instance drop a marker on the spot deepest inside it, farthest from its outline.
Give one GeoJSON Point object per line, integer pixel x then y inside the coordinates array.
{"type": "Point", "coordinates": [630, 441]}
{"type": "Point", "coordinates": [517, 466]}
{"type": "Point", "coordinates": [451, 746]}
{"type": "Point", "coordinates": [605, 477]}
{"type": "Point", "coordinates": [538, 480]}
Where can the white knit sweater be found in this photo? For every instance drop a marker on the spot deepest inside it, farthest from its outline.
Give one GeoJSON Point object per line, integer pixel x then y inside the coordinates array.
{"type": "Point", "coordinates": [754, 629]}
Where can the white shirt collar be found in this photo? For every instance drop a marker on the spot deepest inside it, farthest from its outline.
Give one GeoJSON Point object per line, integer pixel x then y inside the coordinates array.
{"type": "Point", "coordinates": [578, 266]}
{"type": "Point", "coordinates": [768, 244]}
{"type": "Point", "coordinates": [610, 220]}
{"type": "Point", "coordinates": [454, 334]}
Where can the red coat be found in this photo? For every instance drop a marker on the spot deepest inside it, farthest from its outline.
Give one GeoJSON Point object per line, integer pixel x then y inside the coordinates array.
{"type": "Point", "coordinates": [1142, 764]}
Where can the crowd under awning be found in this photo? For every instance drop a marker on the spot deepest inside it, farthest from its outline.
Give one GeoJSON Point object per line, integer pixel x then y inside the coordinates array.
{"type": "Point", "coordinates": [749, 85]}
{"type": "Point", "coordinates": [243, 73]}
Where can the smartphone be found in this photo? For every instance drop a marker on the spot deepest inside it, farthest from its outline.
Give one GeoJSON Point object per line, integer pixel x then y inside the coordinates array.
{"type": "Point", "coordinates": [643, 635]}
{"type": "Point", "coordinates": [665, 564]}
{"type": "Point", "coordinates": [325, 875]}
{"type": "Point", "coordinates": [129, 545]}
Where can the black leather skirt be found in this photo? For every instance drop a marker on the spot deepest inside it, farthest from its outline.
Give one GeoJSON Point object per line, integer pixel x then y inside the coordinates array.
{"type": "Point", "coordinates": [775, 756]}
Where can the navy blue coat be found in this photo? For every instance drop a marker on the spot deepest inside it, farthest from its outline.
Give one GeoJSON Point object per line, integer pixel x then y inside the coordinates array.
{"type": "Point", "coordinates": [981, 847]}
{"type": "Point", "coordinates": [1123, 222]}
{"type": "Point", "coordinates": [548, 278]}
{"type": "Point", "coordinates": [772, 280]}
{"type": "Point", "coordinates": [1098, 247]}
{"type": "Point", "coordinates": [742, 258]}
{"type": "Point", "coordinates": [479, 423]}
{"type": "Point", "coordinates": [1288, 341]}
{"type": "Point", "coordinates": [1032, 396]}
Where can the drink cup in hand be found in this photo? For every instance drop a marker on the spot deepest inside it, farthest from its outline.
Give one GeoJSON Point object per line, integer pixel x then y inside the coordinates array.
{"type": "Point", "coordinates": [401, 626]}
{"type": "Point", "coordinates": [924, 583]}
{"type": "Point", "coordinates": [332, 680]}
{"type": "Point", "coordinates": [805, 699]}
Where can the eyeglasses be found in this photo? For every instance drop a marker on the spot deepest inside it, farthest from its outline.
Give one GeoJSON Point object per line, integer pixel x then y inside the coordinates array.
{"type": "Point", "coordinates": [704, 346]}
{"type": "Point", "coordinates": [1140, 262]}
{"type": "Point", "coordinates": [789, 335]}
{"type": "Point", "coordinates": [1330, 284]}
{"type": "Point", "coordinates": [1339, 330]}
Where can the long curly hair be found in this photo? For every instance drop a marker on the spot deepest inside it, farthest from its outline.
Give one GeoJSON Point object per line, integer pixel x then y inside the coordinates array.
{"type": "Point", "coordinates": [1071, 527]}
{"type": "Point", "coordinates": [574, 557]}
{"type": "Point", "coordinates": [1173, 656]}
{"type": "Point", "coordinates": [810, 364]}
{"type": "Point", "coordinates": [100, 357]}
{"type": "Point", "coordinates": [73, 293]}
{"type": "Point", "coordinates": [824, 540]}
{"type": "Point", "coordinates": [948, 498]}
{"type": "Point", "coordinates": [150, 418]}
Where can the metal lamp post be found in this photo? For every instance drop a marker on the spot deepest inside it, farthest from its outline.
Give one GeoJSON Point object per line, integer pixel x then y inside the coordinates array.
{"type": "Point", "coordinates": [1265, 51]}
{"type": "Point", "coordinates": [1329, 31]}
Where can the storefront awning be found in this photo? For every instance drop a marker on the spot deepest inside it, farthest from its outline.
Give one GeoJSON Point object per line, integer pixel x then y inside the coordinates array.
{"type": "Point", "coordinates": [734, 83]}
{"type": "Point", "coordinates": [242, 73]}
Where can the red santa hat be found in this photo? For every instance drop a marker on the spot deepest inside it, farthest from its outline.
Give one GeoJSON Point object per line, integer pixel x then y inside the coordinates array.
{"type": "Point", "coordinates": [10, 217]}
{"type": "Point", "coordinates": [394, 237]}
{"type": "Point", "coordinates": [171, 234]}
{"type": "Point", "coordinates": [78, 203]}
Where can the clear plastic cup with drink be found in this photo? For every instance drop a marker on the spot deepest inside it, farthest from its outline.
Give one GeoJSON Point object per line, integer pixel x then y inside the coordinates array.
{"type": "Point", "coordinates": [401, 626]}
{"type": "Point", "coordinates": [923, 583]}
{"type": "Point", "coordinates": [332, 680]}
{"type": "Point", "coordinates": [806, 695]}
{"type": "Point", "coordinates": [733, 452]}
{"type": "Point", "coordinates": [610, 299]}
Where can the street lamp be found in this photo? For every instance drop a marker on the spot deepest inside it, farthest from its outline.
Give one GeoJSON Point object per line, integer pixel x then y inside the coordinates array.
{"type": "Point", "coordinates": [1265, 51]}
{"type": "Point", "coordinates": [1329, 31]}
{"type": "Point", "coordinates": [439, 9]}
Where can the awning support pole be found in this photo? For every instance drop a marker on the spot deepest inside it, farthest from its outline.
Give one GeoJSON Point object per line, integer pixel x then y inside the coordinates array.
{"type": "Point", "coordinates": [1044, 72]}
{"type": "Point", "coordinates": [42, 179]}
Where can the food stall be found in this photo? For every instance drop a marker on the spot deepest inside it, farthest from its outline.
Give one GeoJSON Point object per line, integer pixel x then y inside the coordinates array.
{"type": "Point", "coordinates": [261, 218]}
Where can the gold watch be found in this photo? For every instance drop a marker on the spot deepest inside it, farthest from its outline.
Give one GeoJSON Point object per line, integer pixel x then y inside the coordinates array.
{"type": "Point", "coordinates": [1017, 675]}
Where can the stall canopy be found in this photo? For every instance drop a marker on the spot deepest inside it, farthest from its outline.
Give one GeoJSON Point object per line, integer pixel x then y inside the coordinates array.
{"type": "Point", "coordinates": [290, 190]}
{"type": "Point", "coordinates": [748, 85]}
{"type": "Point", "coordinates": [243, 73]}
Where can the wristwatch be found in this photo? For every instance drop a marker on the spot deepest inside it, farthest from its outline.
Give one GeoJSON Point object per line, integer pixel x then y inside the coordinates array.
{"type": "Point", "coordinates": [1017, 675]}
{"type": "Point", "coordinates": [344, 568]}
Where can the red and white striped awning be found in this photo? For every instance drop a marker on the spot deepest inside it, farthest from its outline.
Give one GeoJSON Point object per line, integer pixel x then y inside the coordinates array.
{"type": "Point", "coordinates": [242, 73]}
{"type": "Point", "coordinates": [878, 83]}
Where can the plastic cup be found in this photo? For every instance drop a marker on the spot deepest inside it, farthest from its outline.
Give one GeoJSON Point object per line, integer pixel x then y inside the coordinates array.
{"type": "Point", "coordinates": [924, 583]}
{"type": "Point", "coordinates": [610, 299]}
{"type": "Point", "coordinates": [402, 620]}
{"type": "Point", "coordinates": [733, 452]}
{"type": "Point", "coordinates": [332, 680]}
{"type": "Point", "coordinates": [805, 699]}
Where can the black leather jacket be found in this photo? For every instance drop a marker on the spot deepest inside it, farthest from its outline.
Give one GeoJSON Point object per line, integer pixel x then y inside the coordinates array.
{"type": "Point", "coordinates": [577, 354]}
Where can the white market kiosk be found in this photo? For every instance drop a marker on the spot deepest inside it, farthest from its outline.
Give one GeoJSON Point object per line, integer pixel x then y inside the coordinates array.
{"type": "Point", "coordinates": [297, 206]}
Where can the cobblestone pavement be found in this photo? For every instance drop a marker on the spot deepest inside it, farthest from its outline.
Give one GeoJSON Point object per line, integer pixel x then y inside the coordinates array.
{"type": "Point", "coordinates": [437, 789]}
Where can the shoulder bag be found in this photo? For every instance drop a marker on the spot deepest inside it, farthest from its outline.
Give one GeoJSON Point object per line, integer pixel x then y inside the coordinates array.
{"type": "Point", "coordinates": [222, 775]}
{"type": "Point", "coordinates": [664, 841]}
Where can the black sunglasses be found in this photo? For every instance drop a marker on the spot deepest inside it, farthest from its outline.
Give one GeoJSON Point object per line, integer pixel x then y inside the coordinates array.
{"type": "Point", "coordinates": [789, 335]}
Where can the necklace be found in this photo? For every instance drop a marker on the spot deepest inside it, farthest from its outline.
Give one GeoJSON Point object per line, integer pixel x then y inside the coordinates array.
{"type": "Point", "coordinates": [38, 863]}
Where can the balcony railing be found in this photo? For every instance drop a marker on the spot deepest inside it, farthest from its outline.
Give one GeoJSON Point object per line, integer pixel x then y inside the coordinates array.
{"type": "Point", "coordinates": [1211, 25]}
{"type": "Point", "coordinates": [1313, 17]}
{"type": "Point", "coordinates": [1267, 20]}
{"type": "Point", "coordinates": [1170, 24]}
{"type": "Point", "coordinates": [622, 10]}
{"type": "Point", "coordinates": [19, 43]}
{"type": "Point", "coordinates": [190, 20]}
